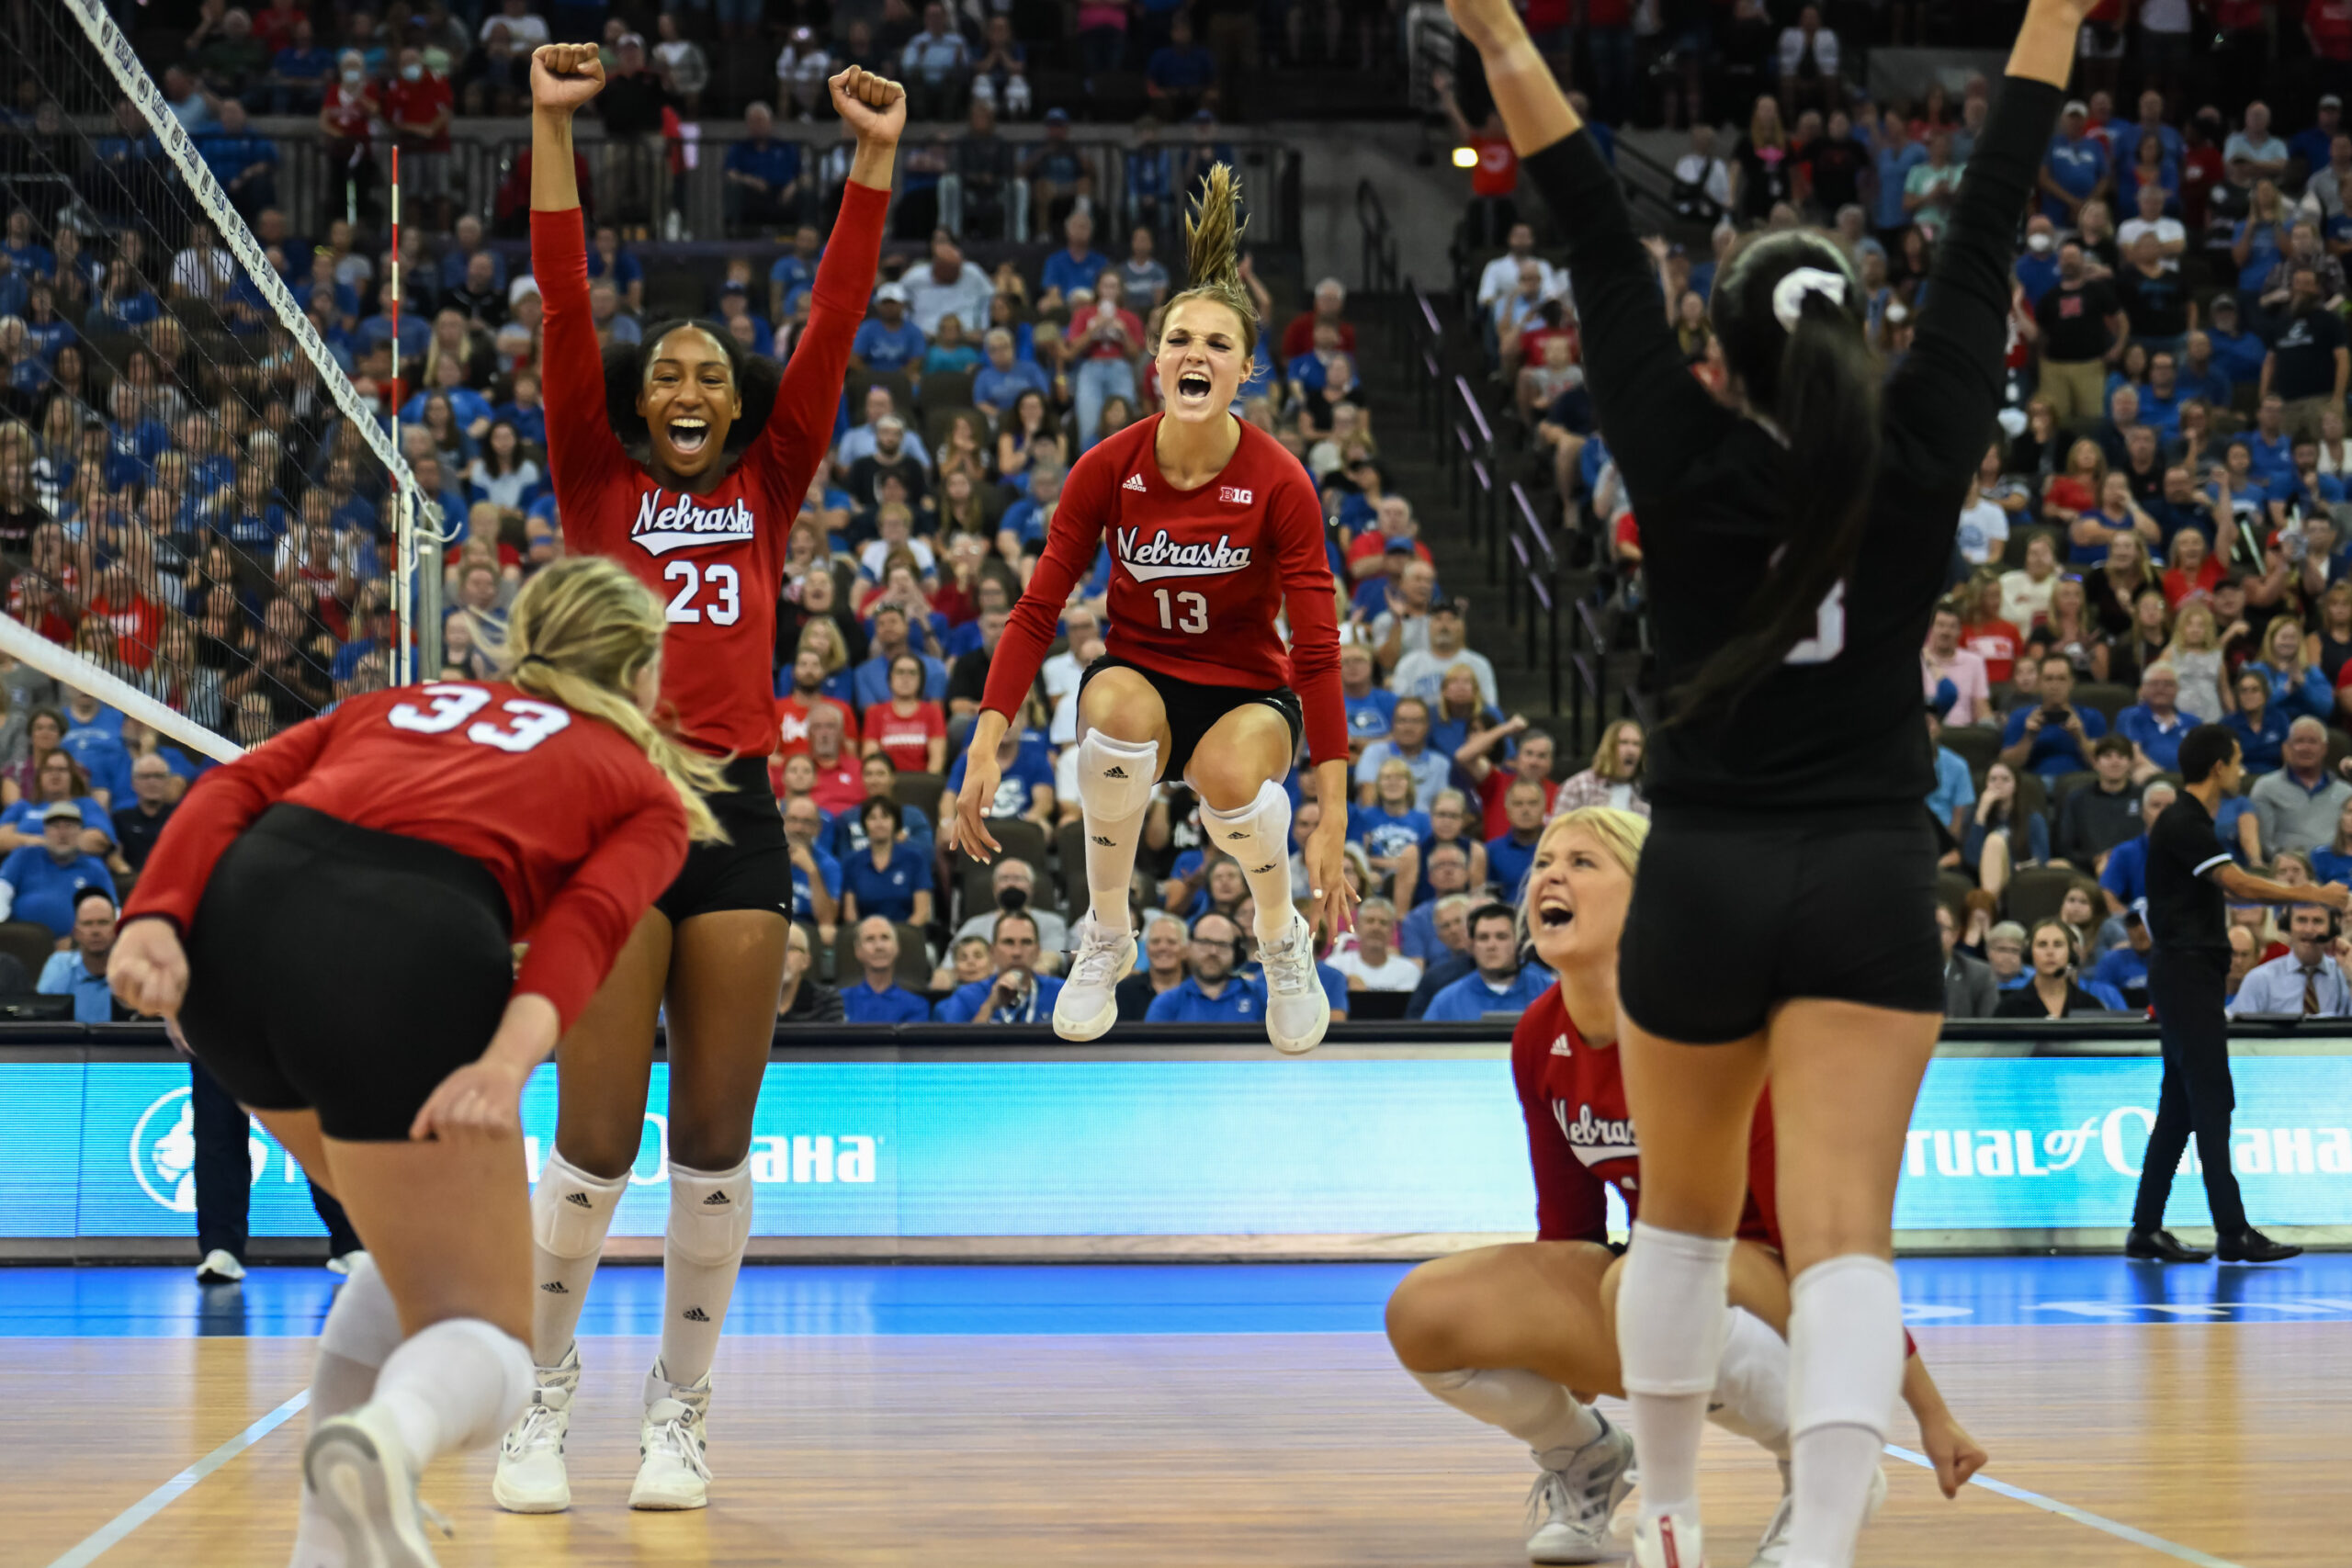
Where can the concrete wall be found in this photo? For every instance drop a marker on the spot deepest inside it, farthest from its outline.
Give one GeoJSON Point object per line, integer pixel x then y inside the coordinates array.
{"type": "Point", "coordinates": [1407, 163]}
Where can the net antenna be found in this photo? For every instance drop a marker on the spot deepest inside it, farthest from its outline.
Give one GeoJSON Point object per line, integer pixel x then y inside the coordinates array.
{"type": "Point", "coordinates": [413, 530]}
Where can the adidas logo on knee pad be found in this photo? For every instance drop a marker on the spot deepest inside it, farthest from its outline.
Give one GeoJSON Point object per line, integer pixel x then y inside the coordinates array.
{"type": "Point", "coordinates": [695, 1314]}
{"type": "Point", "coordinates": [1101, 840]}
{"type": "Point", "coordinates": [555, 1288]}
{"type": "Point", "coordinates": [715, 1200]}
{"type": "Point", "coordinates": [1114, 773]}
{"type": "Point", "coordinates": [579, 1199]}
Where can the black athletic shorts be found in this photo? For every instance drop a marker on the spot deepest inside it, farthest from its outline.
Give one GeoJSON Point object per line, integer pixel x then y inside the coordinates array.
{"type": "Point", "coordinates": [1730, 919]}
{"type": "Point", "coordinates": [752, 870]}
{"type": "Point", "coordinates": [339, 970]}
{"type": "Point", "coordinates": [1193, 709]}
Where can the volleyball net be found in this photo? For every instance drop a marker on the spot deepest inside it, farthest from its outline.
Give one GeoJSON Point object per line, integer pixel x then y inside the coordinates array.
{"type": "Point", "coordinates": [206, 519]}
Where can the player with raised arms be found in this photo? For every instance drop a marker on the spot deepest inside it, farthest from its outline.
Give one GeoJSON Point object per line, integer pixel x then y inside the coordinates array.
{"type": "Point", "coordinates": [1509, 1335]}
{"type": "Point", "coordinates": [1795, 543]}
{"type": "Point", "coordinates": [640, 447]}
{"type": "Point", "coordinates": [329, 920]}
{"type": "Point", "coordinates": [1212, 526]}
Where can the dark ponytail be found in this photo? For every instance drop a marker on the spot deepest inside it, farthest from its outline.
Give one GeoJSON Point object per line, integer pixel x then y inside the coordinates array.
{"type": "Point", "coordinates": [1819, 384]}
{"type": "Point", "coordinates": [755, 376]}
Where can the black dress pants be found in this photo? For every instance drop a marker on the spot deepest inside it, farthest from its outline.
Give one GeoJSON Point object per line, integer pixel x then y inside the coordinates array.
{"type": "Point", "coordinates": [2187, 985]}
{"type": "Point", "coordinates": [224, 1175]}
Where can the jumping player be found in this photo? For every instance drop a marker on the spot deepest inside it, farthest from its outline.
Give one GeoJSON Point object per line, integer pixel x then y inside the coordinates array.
{"type": "Point", "coordinates": [337, 953]}
{"type": "Point", "coordinates": [708, 535]}
{"type": "Point", "coordinates": [1505, 1333]}
{"type": "Point", "coordinates": [1793, 544]}
{"type": "Point", "coordinates": [1212, 526]}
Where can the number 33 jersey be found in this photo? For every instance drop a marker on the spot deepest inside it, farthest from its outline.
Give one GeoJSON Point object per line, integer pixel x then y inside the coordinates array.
{"type": "Point", "coordinates": [1198, 577]}
{"type": "Point", "coordinates": [581, 830]}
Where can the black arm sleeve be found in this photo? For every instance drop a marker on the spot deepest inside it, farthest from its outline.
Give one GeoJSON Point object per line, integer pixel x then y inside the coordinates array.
{"type": "Point", "coordinates": [1939, 404]}
{"type": "Point", "coordinates": [1653, 412]}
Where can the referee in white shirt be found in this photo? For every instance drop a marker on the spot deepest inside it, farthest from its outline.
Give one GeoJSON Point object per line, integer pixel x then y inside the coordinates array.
{"type": "Point", "coordinates": [2308, 981]}
{"type": "Point", "coordinates": [2189, 877]}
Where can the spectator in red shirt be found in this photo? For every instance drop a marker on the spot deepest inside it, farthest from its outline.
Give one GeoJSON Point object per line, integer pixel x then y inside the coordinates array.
{"type": "Point", "coordinates": [1532, 762]}
{"type": "Point", "coordinates": [1368, 557]}
{"type": "Point", "coordinates": [841, 781]}
{"type": "Point", "coordinates": [1984, 633]}
{"type": "Point", "coordinates": [1330, 300]}
{"type": "Point", "coordinates": [1494, 172]}
{"type": "Point", "coordinates": [418, 104]}
{"type": "Point", "coordinates": [911, 732]}
{"type": "Point", "coordinates": [343, 115]}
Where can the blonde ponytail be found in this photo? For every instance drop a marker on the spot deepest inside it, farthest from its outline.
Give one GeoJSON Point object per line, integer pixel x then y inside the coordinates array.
{"type": "Point", "coordinates": [578, 634]}
{"type": "Point", "coordinates": [1213, 250]}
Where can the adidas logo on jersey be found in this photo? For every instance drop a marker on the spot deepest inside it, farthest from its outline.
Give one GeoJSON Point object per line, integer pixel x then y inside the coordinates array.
{"type": "Point", "coordinates": [695, 1314]}
{"type": "Point", "coordinates": [683, 524]}
{"type": "Point", "coordinates": [1135, 481]}
{"type": "Point", "coordinates": [715, 1200]}
{"type": "Point", "coordinates": [1159, 555]}
{"type": "Point", "coordinates": [1560, 1046]}
{"type": "Point", "coordinates": [555, 1288]}
{"type": "Point", "coordinates": [579, 1199]}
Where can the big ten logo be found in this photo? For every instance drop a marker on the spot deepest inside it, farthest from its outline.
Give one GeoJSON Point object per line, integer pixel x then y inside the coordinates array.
{"type": "Point", "coordinates": [777, 1159]}
{"type": "Point", "coordinates": [2120, 1136]}
{"type": "Point", "coordinates": [162, 1152]}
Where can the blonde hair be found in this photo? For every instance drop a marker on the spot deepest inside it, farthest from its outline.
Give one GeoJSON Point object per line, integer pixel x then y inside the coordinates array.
{"type": "Point", "coordinates": [832, 656]}
{"type": "Point", "coordinates": [1213, 252]}
{"type": "Point", "coordinates": [2296, 663]}
{"type": "Point", "coordinates": [1620, 833]}
{"type": "Point", "coordinates": [579, 634]}
{"type": "Point", "coordinates": [2191, 610]}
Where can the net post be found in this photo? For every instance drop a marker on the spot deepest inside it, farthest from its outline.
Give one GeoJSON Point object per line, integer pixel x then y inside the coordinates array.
{"type": "Point", "coordinates": [428, 585]}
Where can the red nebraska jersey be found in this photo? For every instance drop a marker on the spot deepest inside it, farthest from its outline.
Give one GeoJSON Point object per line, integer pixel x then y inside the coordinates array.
{"type": "Point", "coordinates": [714, 559]}
{"type": "Point", "coordinates": [1197, 577]}
{"type": "Point", "coordinates": [581, 830]}
{"type": "Point", "coordinates": [1580, 1136]}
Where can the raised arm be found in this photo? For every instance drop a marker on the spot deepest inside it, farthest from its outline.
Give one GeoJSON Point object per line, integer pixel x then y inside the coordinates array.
{"type": "Point", "coordinates": [583, 451]}
{"type": "Point", "coordinates": [1940, 401]}
{"type": "Point", "coordinates": [1653, 410]}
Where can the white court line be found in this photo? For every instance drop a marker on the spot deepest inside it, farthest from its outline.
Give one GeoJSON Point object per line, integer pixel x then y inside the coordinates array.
{"type": "Point", "coordinates": [111, 1533]}
{"type": "Point", "coordinates": [2172, 1549]}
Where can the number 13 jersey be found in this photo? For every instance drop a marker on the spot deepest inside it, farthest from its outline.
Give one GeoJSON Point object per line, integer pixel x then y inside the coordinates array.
{"type": "Point", "coordinates": [1198, 577]}
{"type": "Point", "coordinates": [714, 559]}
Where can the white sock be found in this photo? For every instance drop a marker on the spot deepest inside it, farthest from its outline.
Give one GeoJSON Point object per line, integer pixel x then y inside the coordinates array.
{"type": "Point", "coordinates": [710, 1223]}
{"type": "Point", "coordinates": [1844, 1373]}
{"type": "Point", "coordinates": [1114, 780]}
{"type": "Point", "coordinates": [362, 1329]}
{"type": "Point", "coordinates": [1751, 1395]}
{"type": "Point", "coordinates": [571, 1211]}
{"type": "Point", "coordinates": [1669, 1338]}
{"type": "Point", "coordinates": [1529, 1406]}
{"type": "Point", "coordinates": [1258, 836]}
{"type": "Point", "coordinates": [457, 1384]}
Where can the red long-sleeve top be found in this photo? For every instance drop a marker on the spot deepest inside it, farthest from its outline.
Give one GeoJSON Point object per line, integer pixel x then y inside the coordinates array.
{"type": "Point", "coordinates": [581, 832]}
{"type": "Point", "coordinates": [716, 558]}
{"type": "Point", "coordinates": [1198, 578]}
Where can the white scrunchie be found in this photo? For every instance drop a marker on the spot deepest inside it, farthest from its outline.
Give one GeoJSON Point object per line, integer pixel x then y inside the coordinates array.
{"type": "Point", "coordinates": [1788, 295]}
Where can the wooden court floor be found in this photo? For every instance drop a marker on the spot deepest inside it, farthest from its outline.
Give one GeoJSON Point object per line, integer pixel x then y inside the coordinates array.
{"type": "Point", "coordinates": [2223, 1443]}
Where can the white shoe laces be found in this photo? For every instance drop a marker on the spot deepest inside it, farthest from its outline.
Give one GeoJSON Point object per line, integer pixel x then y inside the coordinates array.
{"type": "Point", "coordinates": [1098, 956]}
{"type": "Point", "coordinates": [675, 1438]}
{"type": "Point", "coordinates": [1553, 1501]}
{"type": "Point", "coordinates": [1289, 966]}
{"type": "Point", "coordinates": [540, 1427]}
{"type": "Point", "coordinates": [1772, 1546]}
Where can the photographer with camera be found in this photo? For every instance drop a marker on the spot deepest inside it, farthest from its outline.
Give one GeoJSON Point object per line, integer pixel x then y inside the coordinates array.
{"type": "Point", "coordinates": [1016, 993]}
{"type": "Point", "coordinates": [2053, 738]}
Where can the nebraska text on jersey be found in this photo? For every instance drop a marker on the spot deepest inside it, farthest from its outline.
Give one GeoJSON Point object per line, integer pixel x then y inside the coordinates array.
{"type": "Point", "coordinates": [661, 529]}
{"type": "Point", "coordinates": [1596, 1139]}
{"type": "Point", "coordinates": [1162, 557]}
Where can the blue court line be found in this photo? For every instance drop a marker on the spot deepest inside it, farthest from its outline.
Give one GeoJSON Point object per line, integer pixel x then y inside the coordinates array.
{"type": "Point", "coordinates": [107, 1536]}
{"type": "Point", "coordinates": [2080, 1516]}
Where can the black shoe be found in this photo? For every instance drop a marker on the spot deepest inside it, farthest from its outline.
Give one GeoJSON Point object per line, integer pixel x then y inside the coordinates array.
{"type": "Point", "coordinates": [2162, 1247]}
{"type": "Point", "coordinates": [2250, 1245]}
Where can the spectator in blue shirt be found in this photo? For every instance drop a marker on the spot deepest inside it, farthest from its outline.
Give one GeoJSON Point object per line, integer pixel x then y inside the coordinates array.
{"type": "Point", "coordinates": [2125, 968]}
{"type": "Point", "coordinates": [762, 175]}
{"type": "Point", "coordinates": [61, 777]}
{"type": "Point", "coordinates": [1024, 784]}
{"type": "Point", "coordinates": [1077, 265]}
{"type": "Point", "coordinates": [1955, 792]}
{"type": "Point", "coordinates": [297, 74]}
{"type": "Point", "coordinates": [1508, 856]}
{"type": "Point", "coordinates": [870, 684]}
{"type": "Point", "coordinates": [877, 998]}
{"type": "Point", "coordinates": [2052, 737]}
{"type": "Point", "coordinates": [2037, 264]}
{"type": "Point", "coordinates": [1212, 992]}
{"type": "Point", "coordinates": [2261, 728]}
{"type": "Point", "coordinates": [999, 383]}
{"type": "Point", "coordinates": [80, 971]}
{"type": "Point", "coordinates": [1182, 73]}
{"type": "Point", "coordinates": [2154, 725]}
{"type": "Point", "coordinates": [1370, 706]}
{"type": "Point", "coordinates": [1016, 993]}
{"type": "Point", "coordinates": [94, 738]}
{"type": "Point", "coordinates": [1500, 983]}
{"type": "Point", "coordinates": [38, 882]}
{"type": "Point", "coordinates": [606, 257]}
{"type": "Point", "coordinates": [892, 878]}
{"type": "Point", "coordinates": [816, 875]}
{"type": "Point", "coordinates": [2125, 880]}
{"type": "Point", "coordinates": [2238, 352]}
{"type": "Point", "coordinates": [887, 341]}
{"type": "Point", "coordinates": [1894, 155]}
{"type": "Point", "coordinates": [244, 164]}
{"type": "Point", "coordinates": [1392, 821]}
{"type": "Point", "coordinates": [2075, 169]}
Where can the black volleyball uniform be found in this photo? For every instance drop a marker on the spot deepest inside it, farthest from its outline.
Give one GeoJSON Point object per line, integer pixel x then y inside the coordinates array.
{"type": "Point", "coordinates": [1787, 825]}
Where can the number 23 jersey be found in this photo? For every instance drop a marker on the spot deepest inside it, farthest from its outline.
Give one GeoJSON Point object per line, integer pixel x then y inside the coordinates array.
{"type": "Point", "coordinates": [1198, 577]}
{"type": "Point", "coordinates": [582, 831]}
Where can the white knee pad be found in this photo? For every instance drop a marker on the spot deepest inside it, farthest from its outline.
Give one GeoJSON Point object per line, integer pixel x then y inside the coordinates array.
{"type": "Point", "coordinates": [710, 1213]}
{"type": "Point", "coordinates": [362, 1326]}
{"type": "Point", "coordinates": [1114, 777]}
{"type": "Point", "coordinates": [1670, 1311]}
{"type": "Point", "coordinates": [1845, 1344]}
{"type": "Point", "coordinates": [570, 1210]}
